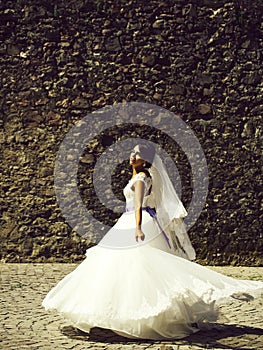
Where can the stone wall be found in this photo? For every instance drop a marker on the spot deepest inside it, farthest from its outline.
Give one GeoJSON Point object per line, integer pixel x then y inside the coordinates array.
{"type": "Point", "coordinates": [63, 59]}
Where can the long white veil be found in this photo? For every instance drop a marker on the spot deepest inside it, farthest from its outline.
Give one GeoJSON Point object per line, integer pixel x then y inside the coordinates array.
{"type": "Point", "coordinates": [170, 210]}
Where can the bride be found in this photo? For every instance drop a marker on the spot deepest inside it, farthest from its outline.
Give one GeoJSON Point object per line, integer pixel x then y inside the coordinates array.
{"type": "Point", "coordinates": [139, 280]}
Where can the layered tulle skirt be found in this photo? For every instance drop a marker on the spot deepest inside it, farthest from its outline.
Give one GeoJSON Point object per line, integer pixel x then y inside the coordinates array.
{"type": "Point", "coordinates": [142, 291]}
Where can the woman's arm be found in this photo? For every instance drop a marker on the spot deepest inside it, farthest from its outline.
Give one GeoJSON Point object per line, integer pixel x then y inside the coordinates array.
{"type": "Point", "coordinates": [138, 199]}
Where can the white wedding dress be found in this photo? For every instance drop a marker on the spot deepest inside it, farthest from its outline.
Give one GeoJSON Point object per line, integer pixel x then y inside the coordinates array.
{"type": "Point", "coordinates": [140, 289]}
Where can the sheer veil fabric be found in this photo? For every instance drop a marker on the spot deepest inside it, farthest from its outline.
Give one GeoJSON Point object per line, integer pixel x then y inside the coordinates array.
{"type": "Point", "coordinates": [170, 210]}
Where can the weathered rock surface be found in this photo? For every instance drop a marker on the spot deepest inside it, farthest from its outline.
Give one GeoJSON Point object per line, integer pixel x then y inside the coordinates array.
{"type": "Point", "coordinates": [61, 60]}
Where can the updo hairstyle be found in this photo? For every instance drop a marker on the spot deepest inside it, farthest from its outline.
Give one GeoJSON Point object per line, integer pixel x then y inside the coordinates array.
{"type": "Point", "coordinates": [147, 153]}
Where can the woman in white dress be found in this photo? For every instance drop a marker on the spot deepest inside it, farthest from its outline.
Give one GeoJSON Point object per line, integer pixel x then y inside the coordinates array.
{"type": "Point", "coordinates": [138, 280]}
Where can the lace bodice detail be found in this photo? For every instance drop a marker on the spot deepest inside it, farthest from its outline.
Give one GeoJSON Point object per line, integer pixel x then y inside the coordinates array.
{"type": "Point", "coordinates": [129, 190]}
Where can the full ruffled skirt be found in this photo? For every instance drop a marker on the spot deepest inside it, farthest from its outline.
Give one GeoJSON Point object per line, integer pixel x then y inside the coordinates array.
{"type": "Point", "coordinates": [143, 292]}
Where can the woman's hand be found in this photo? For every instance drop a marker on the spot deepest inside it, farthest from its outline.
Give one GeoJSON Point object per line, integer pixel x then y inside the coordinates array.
{"type": "Point", "coordinates": [139, 234]}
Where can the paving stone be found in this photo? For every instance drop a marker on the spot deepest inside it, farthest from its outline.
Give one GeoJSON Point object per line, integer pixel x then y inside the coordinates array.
{"type": "Point", "coordinates": [26, 325]}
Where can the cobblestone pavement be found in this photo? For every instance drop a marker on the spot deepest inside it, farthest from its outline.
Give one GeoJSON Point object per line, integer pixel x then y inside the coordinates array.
{"type": "Point", "coordinates": [26, 325]}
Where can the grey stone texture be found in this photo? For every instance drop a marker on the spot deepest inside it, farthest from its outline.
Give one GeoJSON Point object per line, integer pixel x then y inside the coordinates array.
{"type": "Point", "coordinates": [63, 59]}
{"type": "Point", "coordinates": [26, 325]}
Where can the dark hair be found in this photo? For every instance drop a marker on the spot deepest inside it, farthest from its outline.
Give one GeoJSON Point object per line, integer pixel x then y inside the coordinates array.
{"type": "Point", "coordinates": [147, 153]}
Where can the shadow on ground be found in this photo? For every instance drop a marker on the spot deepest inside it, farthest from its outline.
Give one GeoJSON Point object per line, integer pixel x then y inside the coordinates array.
{"type": "Point", "coordinates": [217, 337]}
